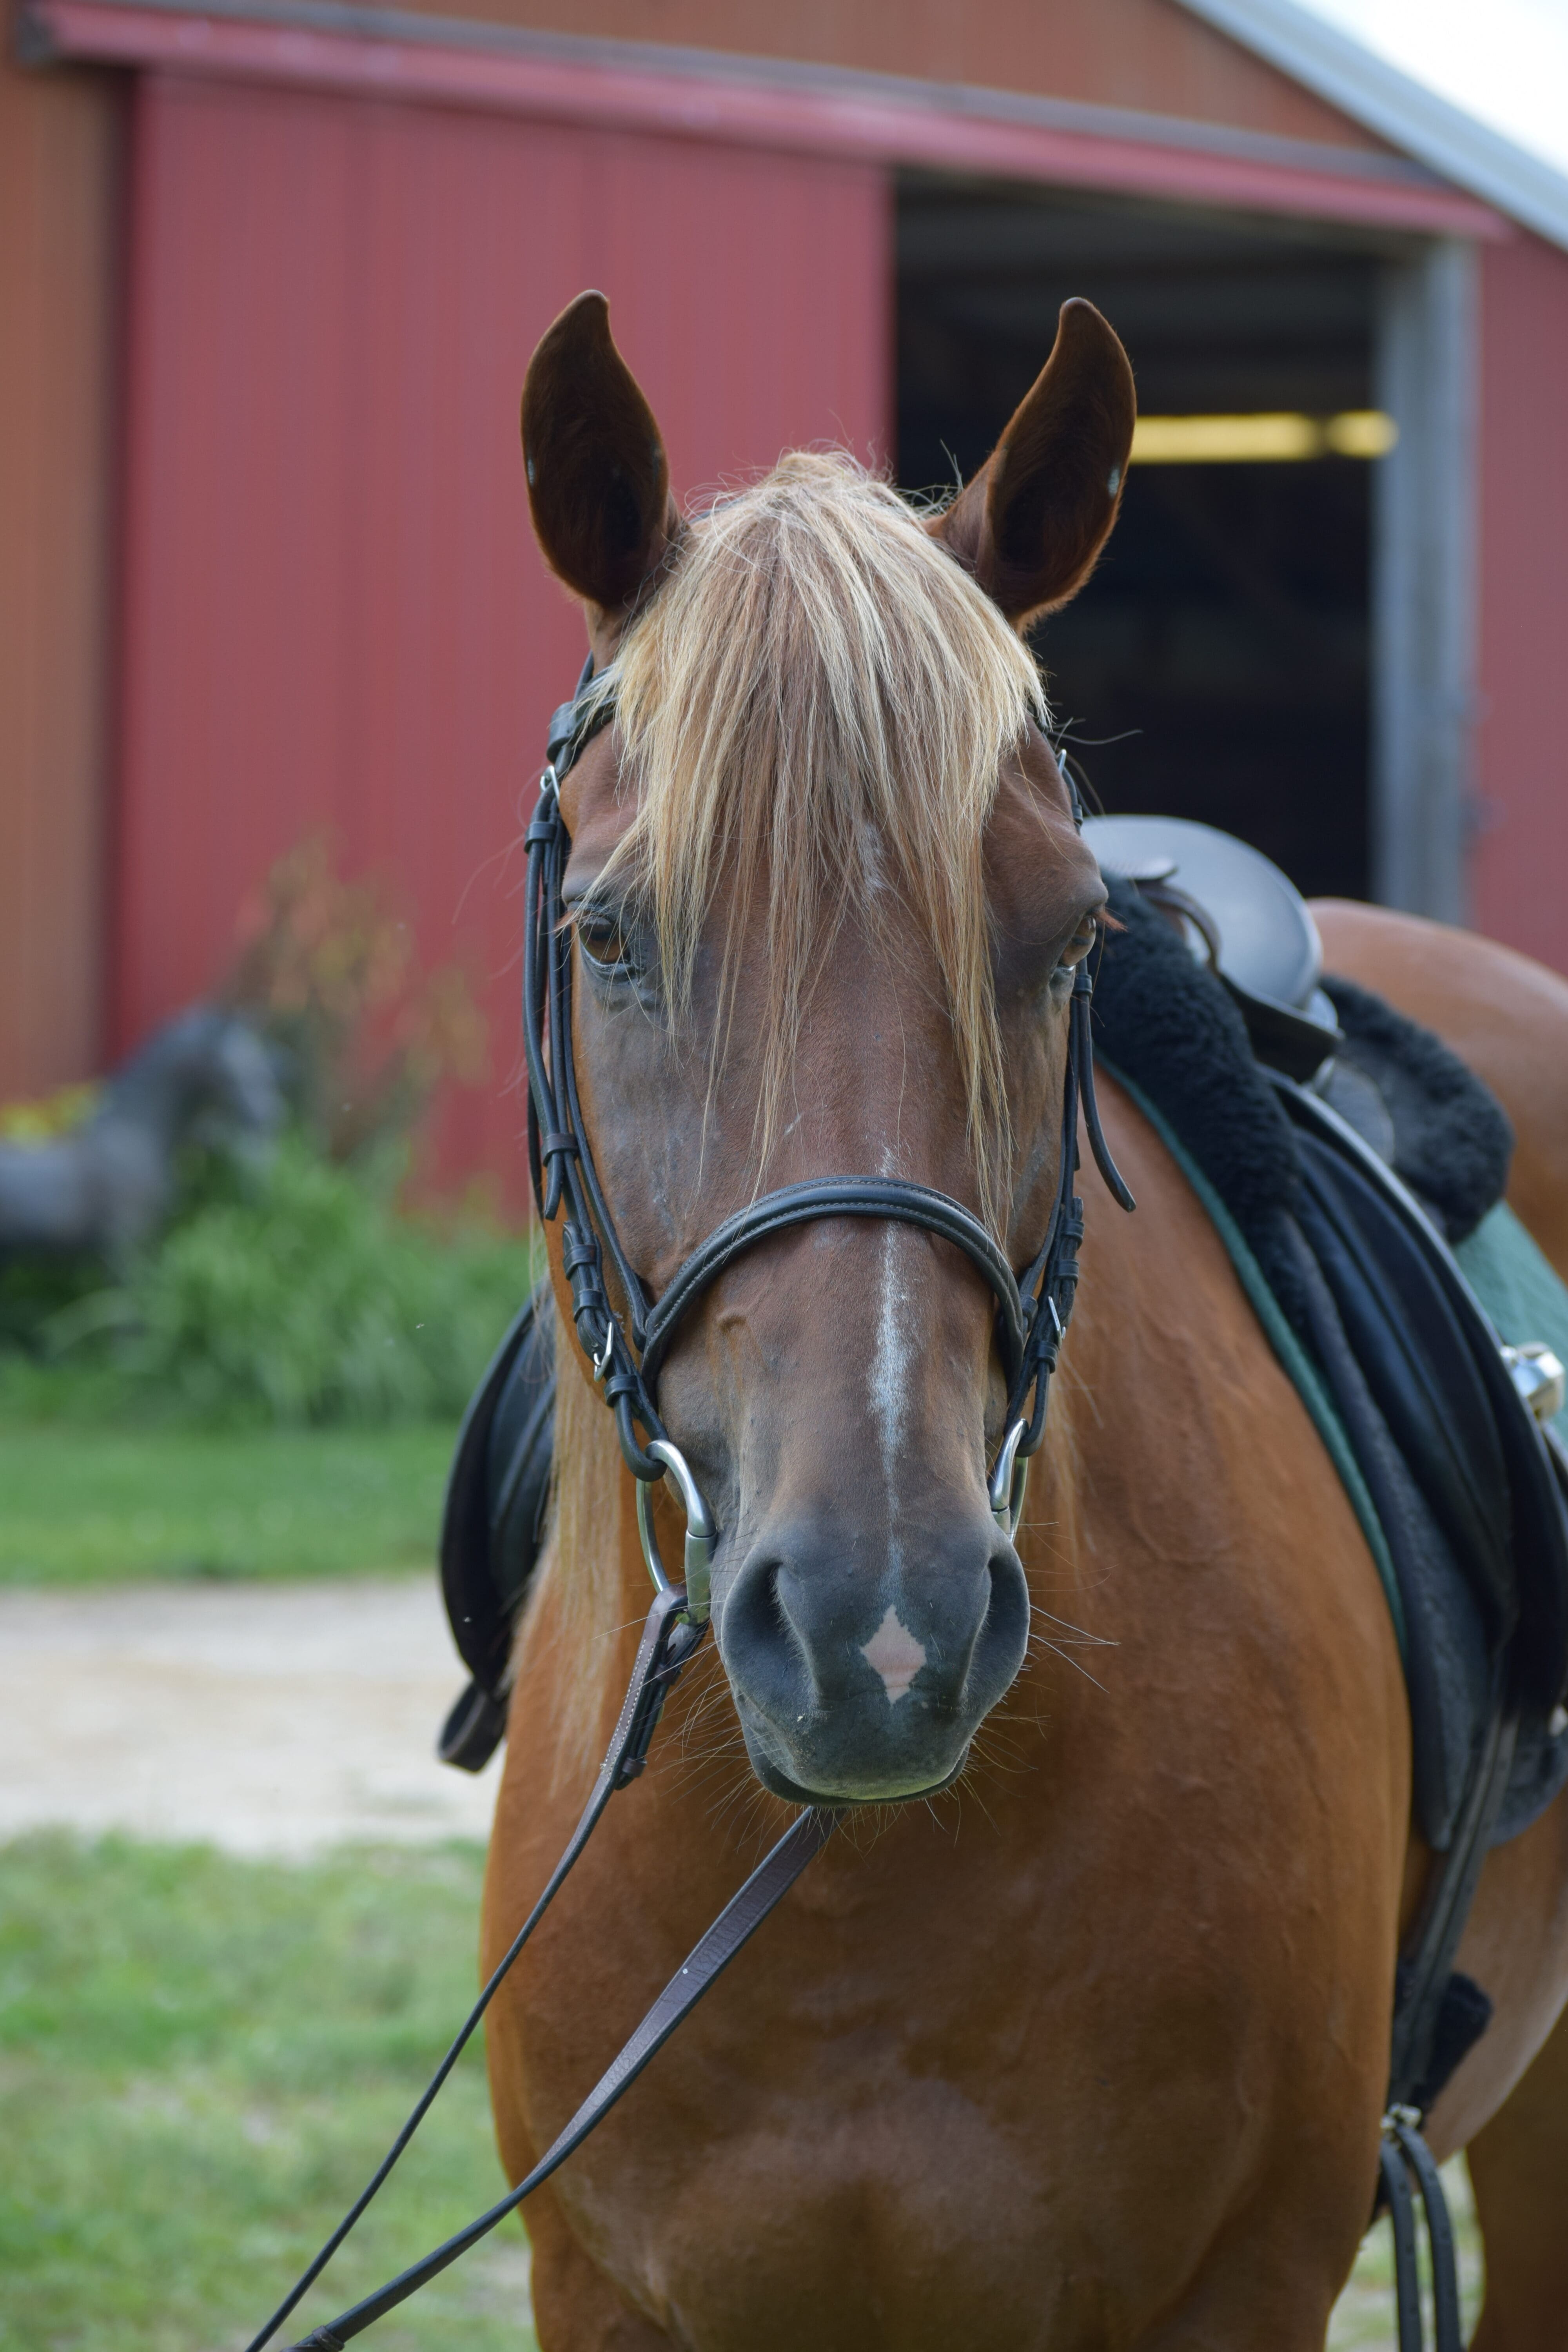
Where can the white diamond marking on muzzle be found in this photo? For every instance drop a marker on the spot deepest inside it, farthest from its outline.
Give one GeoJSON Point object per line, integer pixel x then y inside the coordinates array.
{"type": "Point", "coordinates": [893, 1653]}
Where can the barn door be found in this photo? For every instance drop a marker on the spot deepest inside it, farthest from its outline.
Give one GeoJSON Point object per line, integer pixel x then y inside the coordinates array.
{"type": "Point", "coordinates": [334, 614]}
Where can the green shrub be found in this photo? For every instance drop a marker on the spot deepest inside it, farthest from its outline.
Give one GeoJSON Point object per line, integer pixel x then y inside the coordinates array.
{"type": "Point", "coordinates": [289, 1294]}
{"type": "Point", "coordinates": [308, 1298]}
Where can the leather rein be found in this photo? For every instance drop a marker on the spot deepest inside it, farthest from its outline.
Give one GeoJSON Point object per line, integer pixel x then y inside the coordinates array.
{"type": "Point", "coordinates": [1033, 1312]}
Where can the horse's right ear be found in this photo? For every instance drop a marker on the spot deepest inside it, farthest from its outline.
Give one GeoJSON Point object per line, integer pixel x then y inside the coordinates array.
{"type": "Point", "coordinates": [1032, 522]}
{"type": "Point", "coordinates": [598, 480]}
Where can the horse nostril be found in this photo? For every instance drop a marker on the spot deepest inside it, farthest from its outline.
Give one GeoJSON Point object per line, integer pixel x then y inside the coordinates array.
{"type": "Point", "coordinates": [754, 1624]}
{"type": "Point", "coordinates": [1004, 1634]}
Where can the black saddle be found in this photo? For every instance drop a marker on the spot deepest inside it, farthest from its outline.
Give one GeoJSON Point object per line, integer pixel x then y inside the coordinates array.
{"type": "Point", "coordinates": [496, 1497]}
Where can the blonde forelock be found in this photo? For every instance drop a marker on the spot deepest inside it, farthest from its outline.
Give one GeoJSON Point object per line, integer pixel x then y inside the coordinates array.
{"type": "Point", "coordinates": [817, 703]}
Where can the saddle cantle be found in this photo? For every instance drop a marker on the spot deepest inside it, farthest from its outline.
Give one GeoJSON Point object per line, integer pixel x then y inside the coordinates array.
{"type": "Point", "coordinates": [1246, 918]}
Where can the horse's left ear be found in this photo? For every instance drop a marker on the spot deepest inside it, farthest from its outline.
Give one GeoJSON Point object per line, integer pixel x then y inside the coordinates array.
{"type": "Point", "coordinates": [1032, 522]}
{"type": "Point", "coordinates": [598, 480]}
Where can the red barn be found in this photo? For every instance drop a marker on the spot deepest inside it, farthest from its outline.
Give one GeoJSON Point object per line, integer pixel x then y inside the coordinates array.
{"type": "Point", "coordinates": [270, 271]}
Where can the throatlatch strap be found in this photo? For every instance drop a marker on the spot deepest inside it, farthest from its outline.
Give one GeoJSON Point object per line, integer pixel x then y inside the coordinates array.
{"type": "Point", "coordinates": [735, 1925]}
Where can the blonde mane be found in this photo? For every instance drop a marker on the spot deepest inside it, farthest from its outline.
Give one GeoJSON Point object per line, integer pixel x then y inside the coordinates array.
{"type": "Point", "coordinates": [817, 702]}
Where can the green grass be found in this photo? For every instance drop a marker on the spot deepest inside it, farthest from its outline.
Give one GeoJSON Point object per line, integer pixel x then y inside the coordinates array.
{"type": "Point", "coordinates": [201, 2061]}
{"type": "Point", "coordinates": [84, 1504]}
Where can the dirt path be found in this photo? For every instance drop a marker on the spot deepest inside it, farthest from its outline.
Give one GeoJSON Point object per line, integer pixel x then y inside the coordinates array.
{"type": "Point", "coordinates": [264, 1718]}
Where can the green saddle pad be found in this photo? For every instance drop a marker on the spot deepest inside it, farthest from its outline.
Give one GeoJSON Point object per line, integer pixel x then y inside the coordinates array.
{"type": "Point", "coordinates": [1519, 1287]}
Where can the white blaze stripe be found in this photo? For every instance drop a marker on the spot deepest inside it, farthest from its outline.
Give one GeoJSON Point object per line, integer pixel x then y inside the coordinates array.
{"type": "Point", "coordinates": [894, 1653]}
{"type": "Point", "coordinates": [889, 1366]}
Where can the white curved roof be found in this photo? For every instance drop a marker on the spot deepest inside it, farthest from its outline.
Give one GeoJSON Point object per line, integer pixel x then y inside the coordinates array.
{"type": "Point", "coordinates": [1410, 112]}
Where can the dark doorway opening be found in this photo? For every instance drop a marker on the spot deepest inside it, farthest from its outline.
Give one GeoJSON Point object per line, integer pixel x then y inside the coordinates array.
{"type": "Point", "coordinates": [1216, 665]}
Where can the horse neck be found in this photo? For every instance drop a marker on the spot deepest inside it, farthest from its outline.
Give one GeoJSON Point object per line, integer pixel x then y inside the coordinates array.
{"type": "Point", "coordinates": [1162, 1332]}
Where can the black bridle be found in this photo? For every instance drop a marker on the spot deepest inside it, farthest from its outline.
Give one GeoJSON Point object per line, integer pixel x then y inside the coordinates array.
{"type": "Point", "coordinates": [1032, 1316]}
{"type": "Point", "coordinates": [628, 1349]}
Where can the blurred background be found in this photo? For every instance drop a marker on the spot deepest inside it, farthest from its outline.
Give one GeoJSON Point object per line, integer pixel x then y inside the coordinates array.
{"type": "Point", "coordinates": [276, 657]}
{"type": "Point", "coordinates": [271, 275]}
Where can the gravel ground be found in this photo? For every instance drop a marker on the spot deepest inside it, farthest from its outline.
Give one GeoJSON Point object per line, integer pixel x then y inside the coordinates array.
{"type": "Point", "coordinates": [263, 1718]}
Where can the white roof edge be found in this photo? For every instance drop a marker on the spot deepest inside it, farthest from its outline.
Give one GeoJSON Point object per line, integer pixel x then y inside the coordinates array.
{"type": "Point", "coordinates": [1364, 86]}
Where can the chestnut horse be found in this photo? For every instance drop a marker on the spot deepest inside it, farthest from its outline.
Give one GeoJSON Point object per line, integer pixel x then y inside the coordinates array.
{"type": "Point", "coordinates": [1090, 2049]}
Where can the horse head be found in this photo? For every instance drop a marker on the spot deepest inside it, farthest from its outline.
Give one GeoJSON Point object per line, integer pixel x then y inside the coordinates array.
{"type": "Point", "coordinates": [828, 897]}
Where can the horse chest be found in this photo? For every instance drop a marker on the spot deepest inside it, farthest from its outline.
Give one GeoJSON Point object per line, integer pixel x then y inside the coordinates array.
{"type": "Point", "coordinates": [870, 2137]}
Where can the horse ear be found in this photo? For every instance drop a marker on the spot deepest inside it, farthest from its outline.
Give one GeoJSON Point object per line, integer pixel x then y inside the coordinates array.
{"type": "Point", "coordinates": [598, 480]}
{"type": "Point", "coordinates": [1031, 524]}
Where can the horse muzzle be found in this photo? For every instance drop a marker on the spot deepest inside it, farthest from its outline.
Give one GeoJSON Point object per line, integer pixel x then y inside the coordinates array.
{"type": "Point", "coordinates": [867, 1689]}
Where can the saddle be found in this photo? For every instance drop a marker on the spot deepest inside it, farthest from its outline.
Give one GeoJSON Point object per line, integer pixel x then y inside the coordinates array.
{"type": "Point", "coordinates": [497, 1494]}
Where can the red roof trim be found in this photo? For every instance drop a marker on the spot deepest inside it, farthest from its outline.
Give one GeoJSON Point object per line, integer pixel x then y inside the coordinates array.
{"type": "Point", "coordinates": [832, 118]}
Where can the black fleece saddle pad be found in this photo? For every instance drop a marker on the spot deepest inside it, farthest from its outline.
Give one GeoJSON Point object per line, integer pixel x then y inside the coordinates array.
{"type": "Point", "coordinates": [1467, 1503]}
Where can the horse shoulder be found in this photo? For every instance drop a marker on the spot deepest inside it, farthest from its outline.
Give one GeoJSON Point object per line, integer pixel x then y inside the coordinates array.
{"type": "Point", "coordinates": [1191, 1403]}
{"type": "Point", "coordinates": [1254, 1650]}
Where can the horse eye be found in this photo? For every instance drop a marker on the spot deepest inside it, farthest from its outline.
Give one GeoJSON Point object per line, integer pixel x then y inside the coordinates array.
{"type": "Point", "coordinates": [1079, 946]}
{"type": "Point", "coordinates": [603, 940]}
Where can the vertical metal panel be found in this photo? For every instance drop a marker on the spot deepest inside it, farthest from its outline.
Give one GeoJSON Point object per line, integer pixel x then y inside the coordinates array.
{"type": "Point", "coordinates": [59, 179]}
{"type": "Point", "coordinates": [1520, 857]}
{"type": "Point", "coordinates": [334, 613]}
{"type": "Point", "coordinates": [1423, 605]}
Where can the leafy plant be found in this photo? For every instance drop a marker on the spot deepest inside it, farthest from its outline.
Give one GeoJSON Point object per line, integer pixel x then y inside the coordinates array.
{"type": "Point", "coordinates": [302, 1297]}
{"type": "Point", "coordinates": [291, 1291]}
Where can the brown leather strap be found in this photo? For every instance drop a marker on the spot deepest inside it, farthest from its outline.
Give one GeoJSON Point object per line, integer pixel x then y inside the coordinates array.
{"type": "Point", "coordinates": [736, 1923]}
{"type": "Point", "coordinates": [667, 1641]}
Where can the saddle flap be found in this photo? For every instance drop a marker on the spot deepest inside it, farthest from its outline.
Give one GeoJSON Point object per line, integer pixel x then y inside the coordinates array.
{"type": "Point", "coordinates": [1438, 1361]}
{"type": "Point", "coordinates": [496, 1492]}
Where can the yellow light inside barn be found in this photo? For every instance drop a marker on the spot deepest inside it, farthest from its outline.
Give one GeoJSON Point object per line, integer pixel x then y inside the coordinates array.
{"type": "Point", "coordinates": [1261, 440]}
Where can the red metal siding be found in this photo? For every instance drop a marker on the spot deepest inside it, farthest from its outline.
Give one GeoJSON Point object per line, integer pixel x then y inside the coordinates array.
{"type": "Point", "coordinates": [1149, 54]}
{"type": "Point", "coordinates": [333, 611]}
{"type": "Point", "coordinates": [58, 186]}
{"type": "Point", "coordinates": [1520, 869]}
